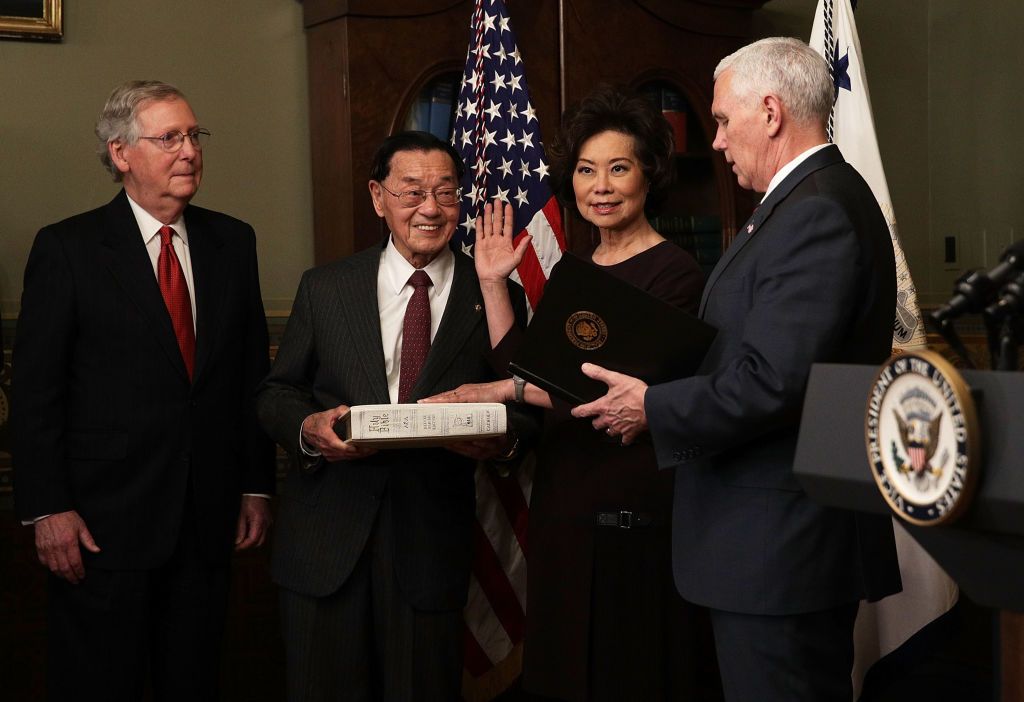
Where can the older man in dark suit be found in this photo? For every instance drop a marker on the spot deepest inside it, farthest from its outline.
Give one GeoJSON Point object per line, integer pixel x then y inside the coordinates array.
{"type": "Point", "coordinates": [373, 549]}
{"type": "Point", "coordinates": [137, 454]}
{"type": "Point", "coordinates": [810, 278]}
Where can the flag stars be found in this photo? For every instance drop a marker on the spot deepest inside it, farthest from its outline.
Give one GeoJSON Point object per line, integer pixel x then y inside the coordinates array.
{"type": "Point", "coordinates": [526, 140]}
{"type": "Point", "coordinates": [524, 169]}
{"type": "Point", "coordinates": [467, 138]}
{"type": "Point", "coordinates": [529, 113]}
{"type": "Point", "coordinates": [498, 82]}
{"type": "Point", "coordinates": [506, 166]}
{"type": "Point", "coordinates": [488, 138]}
{"type": "Point", "coordinates": [541, 170]}
{"type": "Point", "coordinates": [489, 22]}
{"type": "Point", "coordinates": [475, 195]}
{"type": "Point", "coordinates": [502, 194]}
{"type": "Point", "coordinates": [503, 24]}
{"type": "Point", "coordinates": [513, 112]}
{"type": "Point", "coordinates": [510, 140]}
{"type": "Point", "coordinates": [469, 224]}
{"type": "Point", "coordinates": [474, 80]}
{"type": "Point", "coordinates": [521, 197]}
{"type": "Point", "coordinates": [515, 54]}
{"type": "Point", "coordinates": [494, 111]}
{"type": "Point", "coordinates": [482, 166]}
{"type": "Point", "coordinates": [514, 83]}
{"type": "Point", "coordinates": [501, 54]}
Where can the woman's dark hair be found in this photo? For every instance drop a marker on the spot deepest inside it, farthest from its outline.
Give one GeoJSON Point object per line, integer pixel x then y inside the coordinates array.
{"type": "Point", "coordinates": [609, 108]}
{"type": "Point", "coordinates": [410, 141]}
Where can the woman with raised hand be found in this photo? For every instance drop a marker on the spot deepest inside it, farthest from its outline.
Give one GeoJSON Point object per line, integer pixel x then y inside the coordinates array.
{"type": "Point", "coordinates": [604, 621]}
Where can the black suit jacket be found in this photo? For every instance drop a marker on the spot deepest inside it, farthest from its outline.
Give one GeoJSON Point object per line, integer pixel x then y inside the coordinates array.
{"type": "Point", "coordinates": [332, 354]}
{"type": "Point", "coordinates": [106, 420]}
{"type": "Point", "coordinates": [811, 278]}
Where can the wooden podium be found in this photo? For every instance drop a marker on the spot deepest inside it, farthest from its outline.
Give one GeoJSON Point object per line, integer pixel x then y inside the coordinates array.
{"type": "Point", "coordinates": [983, 551]}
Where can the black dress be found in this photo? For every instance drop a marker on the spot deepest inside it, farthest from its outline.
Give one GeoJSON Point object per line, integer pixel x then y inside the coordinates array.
{"type": "Point", "coordinates": [604, 620]}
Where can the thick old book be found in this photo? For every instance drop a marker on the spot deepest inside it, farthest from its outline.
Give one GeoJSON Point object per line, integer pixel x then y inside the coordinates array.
{"type": "Point", "coordinates": [587, 315]}
{"type": "Point", "coordinates": [418, 425]}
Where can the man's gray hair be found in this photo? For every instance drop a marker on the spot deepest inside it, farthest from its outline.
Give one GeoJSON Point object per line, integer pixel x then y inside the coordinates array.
{"type": "Point", "coordinates": [787, 68]}
{"type": "Point", "coordinates": [119, 119]}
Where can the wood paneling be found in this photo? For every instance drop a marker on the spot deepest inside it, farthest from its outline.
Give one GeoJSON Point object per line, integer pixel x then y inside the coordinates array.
{"type": "Point", "coordinates": [367, 61]}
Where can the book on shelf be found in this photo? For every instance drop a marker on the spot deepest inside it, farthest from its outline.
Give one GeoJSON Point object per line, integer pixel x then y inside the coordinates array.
{"type": "Point", "coordinates": [695, 240]}
{"type": "Point", "coordinates": [419, 425]}
{"type": "Point", "coordinates": [686, 224]}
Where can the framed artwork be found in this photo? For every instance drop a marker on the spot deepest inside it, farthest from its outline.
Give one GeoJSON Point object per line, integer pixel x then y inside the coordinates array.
{"type": "Point", "coordinates": [31, 19]}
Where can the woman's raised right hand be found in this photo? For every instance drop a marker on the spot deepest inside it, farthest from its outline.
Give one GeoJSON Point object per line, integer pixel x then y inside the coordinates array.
{"type": "Point", "coordinates": [495, 253]}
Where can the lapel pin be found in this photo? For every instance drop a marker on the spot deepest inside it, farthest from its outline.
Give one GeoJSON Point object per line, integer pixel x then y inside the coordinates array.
{"type": "Point", "coordinates": [477, 308]}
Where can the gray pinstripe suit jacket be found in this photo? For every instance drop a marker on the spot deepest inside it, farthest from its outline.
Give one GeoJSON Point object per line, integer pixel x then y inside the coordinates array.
{"type": "Point", "coordinates": [331, 354]}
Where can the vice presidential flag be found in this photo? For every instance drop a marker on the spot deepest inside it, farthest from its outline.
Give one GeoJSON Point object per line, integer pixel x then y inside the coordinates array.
{"type": "Point", "coordinates": [852, 128]}
{"type": "Point", "coordinates": [928, 592]}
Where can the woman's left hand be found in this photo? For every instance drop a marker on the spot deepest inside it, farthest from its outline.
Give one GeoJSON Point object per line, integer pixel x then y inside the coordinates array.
{"type": "Point", "coordinates": [495, 391]}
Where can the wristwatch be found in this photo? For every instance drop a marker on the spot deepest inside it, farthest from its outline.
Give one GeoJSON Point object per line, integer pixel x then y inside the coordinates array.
{"type": "Point", "coordinates": [519, 384]}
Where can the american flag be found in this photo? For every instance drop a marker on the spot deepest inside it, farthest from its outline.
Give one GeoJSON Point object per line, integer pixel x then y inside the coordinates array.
{"type": "Point", "coordinates": [497, 132]}
{"type": "Point", "coordinates": [882, 627]}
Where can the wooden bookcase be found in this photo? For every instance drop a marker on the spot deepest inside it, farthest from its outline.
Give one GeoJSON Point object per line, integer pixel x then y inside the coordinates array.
{"type": "Point", "coordinates": [369, 61]}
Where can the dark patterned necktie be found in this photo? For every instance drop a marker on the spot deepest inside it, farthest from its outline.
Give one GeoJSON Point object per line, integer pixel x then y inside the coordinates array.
{"type": "Point", "coordinates": [175, 293]}
{"type": "Point", "coordinates": [415, 334]}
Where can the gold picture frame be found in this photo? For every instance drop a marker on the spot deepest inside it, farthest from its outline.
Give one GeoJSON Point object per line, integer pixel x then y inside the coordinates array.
{"type": "Point", "coordinates": [20, 20]}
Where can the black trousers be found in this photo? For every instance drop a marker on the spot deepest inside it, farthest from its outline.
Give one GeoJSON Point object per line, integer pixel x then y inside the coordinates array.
{"type": "Point", "coordinates": [792, 658]}
{"type": "Point", "coordinates": [108, 631]}
{"type": "Point", "coordinates": [365, 642]}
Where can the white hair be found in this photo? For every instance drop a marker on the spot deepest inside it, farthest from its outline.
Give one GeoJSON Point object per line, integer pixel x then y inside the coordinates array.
{"type": "Point", "coordinates": [787, 68]}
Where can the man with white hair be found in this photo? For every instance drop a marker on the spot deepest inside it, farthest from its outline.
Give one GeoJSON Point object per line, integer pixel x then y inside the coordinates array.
{"type": "Point", "coordinates": [137, 456]}
{"type": "Point", "coordinates": [809, 278]}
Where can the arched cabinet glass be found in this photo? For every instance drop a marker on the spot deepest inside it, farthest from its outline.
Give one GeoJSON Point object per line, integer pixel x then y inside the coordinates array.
{"type": "Point", "coordinates": [433, 108]}
{"type": "Point", "coordinates": [691, 215]}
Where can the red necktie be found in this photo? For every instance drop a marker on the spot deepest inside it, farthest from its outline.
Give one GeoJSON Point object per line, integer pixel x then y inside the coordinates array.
{"type": "Point", "coordinates": [415, 334]}
{"type": "Point", "coordinates": [175, 292]}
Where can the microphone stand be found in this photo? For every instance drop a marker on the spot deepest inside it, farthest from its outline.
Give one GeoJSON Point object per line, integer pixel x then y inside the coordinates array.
{"type": "Point", "coordinates": [1003, 324]}
{"type": "Point", "coordinates": [944, 326]}
{"type": "Point", "coordinates": [1009, 341]}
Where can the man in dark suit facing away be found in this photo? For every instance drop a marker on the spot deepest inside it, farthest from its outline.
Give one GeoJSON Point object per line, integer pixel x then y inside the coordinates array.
{"type": "Point", "coordinates": [137, 455]}
{"type": "Point", "coordinates": [373, 549]}
{"type": "Point", "coordinates": [809, 278]}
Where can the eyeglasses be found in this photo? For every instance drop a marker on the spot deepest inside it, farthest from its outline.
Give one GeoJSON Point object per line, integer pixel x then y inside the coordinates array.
{"type": "Point", "coordinates": [172, 141]}
{"type": "Point", "coordinates": [446, 197]}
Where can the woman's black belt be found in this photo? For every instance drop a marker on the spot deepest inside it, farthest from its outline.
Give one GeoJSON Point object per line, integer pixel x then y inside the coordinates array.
{"type": "Point", "coordinates": [623, 519]}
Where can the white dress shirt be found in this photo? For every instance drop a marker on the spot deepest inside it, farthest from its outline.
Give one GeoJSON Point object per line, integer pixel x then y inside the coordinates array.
{"type": "Point", "coordinates": [393, 293]}
{"type": "Point", "coordinates": [790, 167]}
{"type": "Point", "coordinates": [150, 226]}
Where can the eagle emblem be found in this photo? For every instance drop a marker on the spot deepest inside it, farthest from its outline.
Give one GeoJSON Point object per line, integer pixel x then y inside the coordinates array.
{"type": "Point", "coordinates": [919, 433]}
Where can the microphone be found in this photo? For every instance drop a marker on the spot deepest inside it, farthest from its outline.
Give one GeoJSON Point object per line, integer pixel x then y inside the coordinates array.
{"type": "Point", "coordinates": [1010, 301]}
{"type": "Point", "coordinates": [973, 291]}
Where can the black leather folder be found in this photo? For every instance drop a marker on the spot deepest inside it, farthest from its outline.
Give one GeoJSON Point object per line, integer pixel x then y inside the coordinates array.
{"type": "Point", "coordinates": [589, 315]}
